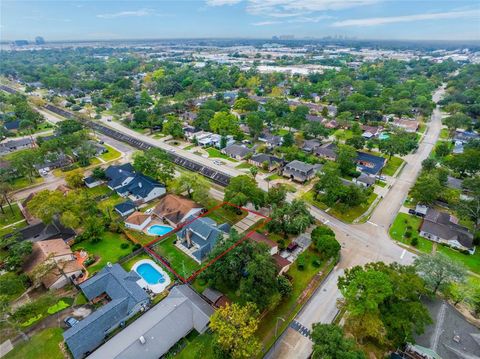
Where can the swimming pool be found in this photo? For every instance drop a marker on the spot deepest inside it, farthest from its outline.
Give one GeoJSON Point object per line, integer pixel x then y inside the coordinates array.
{"type": "Point", "coordinates": [152, 275]}
{"type": "Point", "coordinates": [383, 136]}
{"type": "Point", "coordinates": [159, 230]}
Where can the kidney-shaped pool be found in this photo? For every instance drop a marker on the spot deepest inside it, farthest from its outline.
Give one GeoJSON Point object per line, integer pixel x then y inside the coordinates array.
{"type": "Point", "coordinates": [152, 275]}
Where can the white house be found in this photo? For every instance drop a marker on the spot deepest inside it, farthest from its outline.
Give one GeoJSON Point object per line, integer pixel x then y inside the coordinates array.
{"type": "Point", "coordinates": [138, 221]}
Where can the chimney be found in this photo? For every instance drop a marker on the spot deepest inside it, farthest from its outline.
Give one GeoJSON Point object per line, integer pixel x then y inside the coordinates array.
{"type": "Point", "coordinates": [188, 237]}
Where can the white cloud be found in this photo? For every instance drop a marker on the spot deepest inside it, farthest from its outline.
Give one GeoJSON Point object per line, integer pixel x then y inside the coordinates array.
{"type": "Point", "coordinates": [266, 7]}
{"type": "Point", "coordinates": [373, 21]}
{"type": "Point", "coordinates": [137, 13]}
{"type": "Point", "coordinates": [266, 23]}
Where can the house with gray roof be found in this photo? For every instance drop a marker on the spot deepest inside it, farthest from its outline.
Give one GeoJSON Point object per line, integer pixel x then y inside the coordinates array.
{"type": "Point", "coordinates": [261, 158]}
{"type": "Point", "coordinates": [128, 183]}
{"type": "Point", "coordinates": [300, 171]}
{"type": "Point", "coordinates": [200, 235]}
{"type": "Point", "coordinates": [442, 227]}
{"type": "Point", "coordinates": [311, 145]}
{"type": "Point", "coordinates": [237, 152]}
{"type": "Point", "coordinates": [154, 333]}
{"type": "Point", "coordinates": [125, 298]}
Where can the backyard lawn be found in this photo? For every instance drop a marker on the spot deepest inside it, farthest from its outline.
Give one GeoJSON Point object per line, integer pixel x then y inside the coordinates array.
{"type": "Point", "coordinates": [199, 346]}
{"type": "Point", "coordinates": [214, 153]}
{"type": "Point", "coordinates": [98, 191]}
{"type": "Point", "coordinates": [10, 217]}
{"type": "Point", "coordinates": [44, 345]}
{"type": "Point", "coordinates": [140, 237]}
{"type": "Point", "coordinates": [342, 134]}
{"type": "Point", "coordinates": [108, 250]}
{"type": "Point", "coordinates": [179, 261]}
{"type": "Point", "coordinates": [224, 213]}
{"type": "Point", "coordinates": [110, 202]}
{"type": "Point", "coordinates": [111, 155]}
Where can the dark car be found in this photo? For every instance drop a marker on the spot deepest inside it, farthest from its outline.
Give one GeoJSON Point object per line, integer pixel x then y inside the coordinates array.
{"type": "Point", "coordinates": [70, 321]}
{"type": "Point", "coordinates": [412, 211]}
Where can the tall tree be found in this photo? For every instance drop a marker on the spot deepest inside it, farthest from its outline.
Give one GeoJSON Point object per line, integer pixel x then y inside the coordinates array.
{"type": "Point", "coordinates": [291, 218]}
{"type": "Point", "coordinates": [242, 190]}
{"type": "Point", "coordinates": [194, 184]}
{"type": "Point", "coordinates": [156, 164]}
{"type": "Point", "coordinates": [346, 156]}
{"type": "Point", "coordinates": [234, 328]}
{"type": "Point", "coordinates": [329, 342]}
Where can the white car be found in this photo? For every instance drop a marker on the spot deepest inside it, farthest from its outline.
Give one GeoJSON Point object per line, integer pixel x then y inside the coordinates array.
{"type": "Point", "coordinates": [218, 163]}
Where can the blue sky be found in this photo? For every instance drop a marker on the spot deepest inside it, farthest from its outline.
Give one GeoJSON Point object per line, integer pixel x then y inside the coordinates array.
{"type": "Point", "coordinates": [117, 19]}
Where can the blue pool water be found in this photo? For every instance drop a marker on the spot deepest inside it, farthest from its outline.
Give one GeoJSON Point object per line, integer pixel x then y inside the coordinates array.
{"type": "Point", "coordinates": [384, 136]}
{"type": "Point", "coordinates": [159, 230]}
{"type": "Point", "coordinates": [150, 274]}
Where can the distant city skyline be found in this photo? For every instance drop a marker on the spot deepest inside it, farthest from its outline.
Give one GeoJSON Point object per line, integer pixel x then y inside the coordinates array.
{"type": "Point", "coordinates": [363, 19]}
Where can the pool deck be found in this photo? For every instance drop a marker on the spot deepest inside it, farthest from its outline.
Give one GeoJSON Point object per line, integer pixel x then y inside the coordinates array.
{"type": "Point", "coordinates": [155, 288]}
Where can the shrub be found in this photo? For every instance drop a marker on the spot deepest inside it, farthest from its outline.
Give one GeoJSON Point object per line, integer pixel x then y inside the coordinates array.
{"type": "Point", "coordinates": [282, 244]}
{"type": "Point", "coordinates": [414, 241]}
{"type": "Point", "coordinates": [300, 263]}
{"type": "Point", "coordinates": [124, 245]}
{"type": "Point", "coordinates": [90, 260]}
{"type": "Point", "coordinates": [316, 263]}
{"type": "Point", "coordinates": [408, 234]}
{"type": "Point", "coordinates": [136, 246]}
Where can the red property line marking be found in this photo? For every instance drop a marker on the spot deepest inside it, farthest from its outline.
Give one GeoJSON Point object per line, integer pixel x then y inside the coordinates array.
{"type": "Point", "coordinates": [178, 228]}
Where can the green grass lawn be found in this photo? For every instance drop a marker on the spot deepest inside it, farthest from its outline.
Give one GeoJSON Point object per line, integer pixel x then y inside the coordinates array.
{"type": "Point", "coordinates": [179, 261]}
{"type": "Point", "coordinates": [22, 182]}
{"type": "Point", "coordinates": [111, 155]}
{"type": "Point", "coordinates": [110, 202]}
{"type": "Point", "coordinates": [274, 177]}
{"type": "Point", "coordinates": [380, 183]}
{"type": "Point", "coordinates": [470, 261]}
{"type": "Point", "coordinates": [44, 345]}
{"type": "Point", "coordinates": [444, 135]}
{"type": "Point", "coordinates": [98, 191]}
{"type": "Point", "coordinates": [12, 229]}
{"type": "Point", "coordinates": [11, 215]}
{"type": "Point", "coordinates": [189, 147]}
{"type": "Point", "coordinates": [399, 227]}
{"type": "Point", "coordinates": [244, 165]}
{"type": "Point", "coordinates": [349, 216]}
{"type": "Point", "coordinates": [108, 249]}
{"type": "Point", "coordinates": [200, 346]}
{"type": "Point", "coordinates": [141, 237]}
{"type": "Point", "coordinates": [392, 166]}
{"type": "Point", "coordinates": [224, 213]}
{"type": "Point", "coordinates": [214, 153]}
{"type": "Point", "coordinates": [288, 308]}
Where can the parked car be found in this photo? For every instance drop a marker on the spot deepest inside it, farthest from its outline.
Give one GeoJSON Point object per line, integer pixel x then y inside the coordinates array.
{"type": "Point", "coordinates": [412, 211]}
{"type": "Point", "coordinates": [70, 321]}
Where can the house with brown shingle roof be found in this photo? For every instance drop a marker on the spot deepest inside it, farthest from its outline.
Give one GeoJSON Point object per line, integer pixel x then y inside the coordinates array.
{"type": "Point", "coordinates": [176, 209]}
{"type": "Point", "coordinates": [57, 253]}
{"type": "Point", "coordinates": [261, 238]}
{"type": "Point", "coordinates": [138, 221]}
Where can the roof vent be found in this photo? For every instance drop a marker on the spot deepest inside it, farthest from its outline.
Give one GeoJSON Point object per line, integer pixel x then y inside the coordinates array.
{"type": "Point", "coordinates": [142, 339]}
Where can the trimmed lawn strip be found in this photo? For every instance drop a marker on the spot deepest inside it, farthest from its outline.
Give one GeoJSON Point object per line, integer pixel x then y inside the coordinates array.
{"type": "Point", "coordinates": [214, 153]}
{"type": "Point", "coordinates": [22, 182]}
{"type": "Point", "coordinates": [111, 155]}
{"type": "Point", "coordinates": [399, 227]}
{"type": "Point", "coordinates": [179, 261]}
{"type": "Point", "coordinates": [8, 217]}
{"type": "Point", "coordinates": [274, 177]}
{"type": "Point", "coordinates": [287, 309]}
{"type": "Point", "coordinates": [108, 250]}
{"type": "Point", "coordinates": [189, 147]}
{"type": "Point", "coordinates": [310, 198]}
{"type": "Point", "coordinates": [244, 165]}
{"type": "Point", "coordinates": [140, 237]}
{"type": "Point", "coordinates": [44, 345]}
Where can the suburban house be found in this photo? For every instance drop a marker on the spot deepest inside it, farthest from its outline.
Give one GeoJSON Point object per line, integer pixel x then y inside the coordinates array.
{"type": "Point", "coordinates": [364, 180]}
{"type": "Point", "coordinates": [61, 160]}
{"type": "Point", "coordinates": [15, 145]}
{"type": "Point", "coordinates": [138, 221]}
{"type": "Point", "coordinates": [261, 238]}
{"type": "Point", "coordinates": [466, 136]}
{"type": "Point", "coordinates": [282, 264]}
{"type": "Point", "coordinates": [408, 124]}
{"type": "Point", "coordinates": [40, 231]}
{"type": "Point", "coordinates": [369, 164]}
{"type": "Point", "coordinates": [12, 126]}
{"type": "Point", "coordinates": [125, 208]}
{"type": "Point", "coordinates": [138, 187]}
{"type": "Point", "coordinates": [124, 299]}
{"type": "Point", "coordinates": [216, 140]}
{"type": "Point", "coordinates": [58, 256]}
{"type": "Point", "coordinates": [442, 227]}
{"type": "Point", "coordinates": [237, 152]}
{"type": "Point", "coordinates": [270, 140]}
{"type": "Point", "coordinates": [327, 151]}
{"type": "Point", "coordinates": [91, 181]}
{"type": "Point", "coordinates": [300, 171]}
{"type": "Point", "coordinates": [176, 209]}
{"type": "Point", "coordinates": [370, 131]}
{"type": "Point", "coordinates": [311, 145]}
{"type": "Point", "coordinates": [200, 235]}
{"type": "Point", "coordinates": [155, 332]}
{"type": "Point", "coordinates": [261, 158]}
